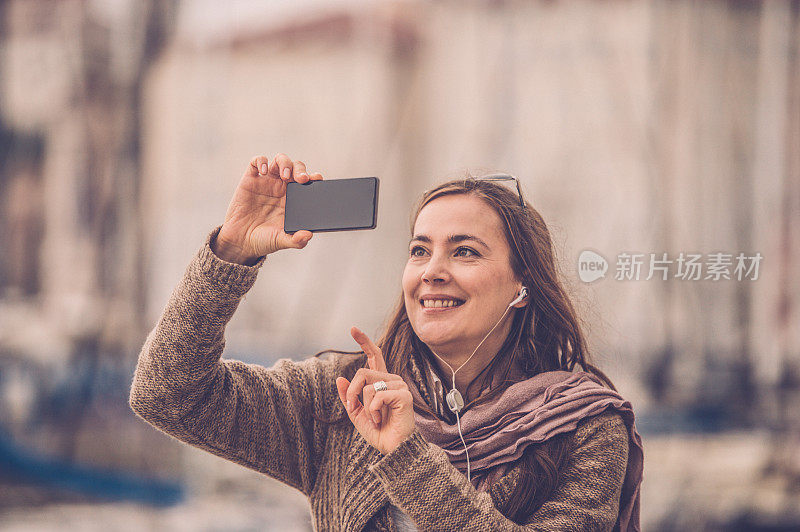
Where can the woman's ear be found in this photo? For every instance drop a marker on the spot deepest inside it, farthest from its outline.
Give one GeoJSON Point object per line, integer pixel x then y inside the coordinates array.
{"type": "Point", "coordinates": [522, 298]}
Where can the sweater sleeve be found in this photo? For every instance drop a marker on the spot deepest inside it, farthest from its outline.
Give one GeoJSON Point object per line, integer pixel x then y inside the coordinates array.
{"type": "Point", "coordinates": [257, 417]}
{"type": "Point", "coordinates": [420, 480]}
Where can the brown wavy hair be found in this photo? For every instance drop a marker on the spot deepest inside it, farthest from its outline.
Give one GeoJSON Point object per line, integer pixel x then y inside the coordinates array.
{"type": "Point", "coordinates": [545, 334]}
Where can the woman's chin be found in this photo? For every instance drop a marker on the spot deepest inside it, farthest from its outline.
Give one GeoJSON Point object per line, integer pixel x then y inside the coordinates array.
{"type": "Point", "coordinates": [435, 337]}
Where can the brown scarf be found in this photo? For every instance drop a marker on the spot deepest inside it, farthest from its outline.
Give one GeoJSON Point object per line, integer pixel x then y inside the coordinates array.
{"type": "Point", "coordinates": [528, 412]}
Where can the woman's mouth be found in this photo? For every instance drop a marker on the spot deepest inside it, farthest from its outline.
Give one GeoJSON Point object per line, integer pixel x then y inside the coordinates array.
{"type": "Point", "coordinates": [440, 305]}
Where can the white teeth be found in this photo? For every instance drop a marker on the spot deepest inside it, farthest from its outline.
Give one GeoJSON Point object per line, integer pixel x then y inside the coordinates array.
{"type": "Point", "coordinates": [439, 303]}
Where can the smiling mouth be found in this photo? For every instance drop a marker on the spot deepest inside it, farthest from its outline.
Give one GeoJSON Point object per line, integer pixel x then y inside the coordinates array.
{"type": "Point", "coordinates": [441, 303]}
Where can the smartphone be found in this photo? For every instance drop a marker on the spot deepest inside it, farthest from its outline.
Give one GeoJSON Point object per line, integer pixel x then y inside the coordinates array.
{"type": "Point", "coordinates": [332, 205]}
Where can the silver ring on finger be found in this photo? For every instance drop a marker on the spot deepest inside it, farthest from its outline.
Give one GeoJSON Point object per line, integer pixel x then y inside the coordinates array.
{"type": "Point", "coordinates": [380, 386]}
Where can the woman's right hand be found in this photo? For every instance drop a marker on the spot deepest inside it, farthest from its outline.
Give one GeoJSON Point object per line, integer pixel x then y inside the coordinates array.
{"type": "Point", "coordinates": [254, 222]}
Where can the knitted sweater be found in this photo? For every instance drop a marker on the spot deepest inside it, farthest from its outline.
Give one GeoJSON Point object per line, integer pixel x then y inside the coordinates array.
{"type": "Point", "coordinates": [261, 418]}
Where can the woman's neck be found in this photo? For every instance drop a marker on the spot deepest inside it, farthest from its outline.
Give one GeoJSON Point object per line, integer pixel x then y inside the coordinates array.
{"type": "Point", "coordinates": [468, 366]}
{"type": "Point", "coordinates": [468, 373]}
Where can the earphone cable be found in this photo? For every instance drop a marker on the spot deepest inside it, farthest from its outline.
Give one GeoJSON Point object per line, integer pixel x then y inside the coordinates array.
{"type": "Point", "coordinates": [458, 420]}
{"type": "Point", "coordinates": [476, 349]}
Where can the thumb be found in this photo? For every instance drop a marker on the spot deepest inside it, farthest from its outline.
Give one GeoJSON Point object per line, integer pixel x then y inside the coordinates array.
{"type": "Point", "coordinates": [341, 386]}
{"type": "Point", "coordinates": [298, 240]}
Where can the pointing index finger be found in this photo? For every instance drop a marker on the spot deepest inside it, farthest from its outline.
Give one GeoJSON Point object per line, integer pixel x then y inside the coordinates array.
{"type": "Point", "coordinates": [374, 355]}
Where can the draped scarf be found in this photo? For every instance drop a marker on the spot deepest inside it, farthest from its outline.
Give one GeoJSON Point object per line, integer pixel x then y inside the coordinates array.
{"type": "Point", "coordinates": [527, 412]}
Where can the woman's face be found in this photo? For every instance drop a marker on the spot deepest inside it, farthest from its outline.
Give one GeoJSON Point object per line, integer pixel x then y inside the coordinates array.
{"type": "Point", "coordinates": [458, 280]}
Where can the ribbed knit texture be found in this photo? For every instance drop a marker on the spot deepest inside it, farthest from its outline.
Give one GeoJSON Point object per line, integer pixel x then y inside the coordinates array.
{"type": "Point", "coordinates": [261, 418]}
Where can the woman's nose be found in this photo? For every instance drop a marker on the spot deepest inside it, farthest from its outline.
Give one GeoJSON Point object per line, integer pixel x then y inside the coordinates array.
{"type": "Point", "coordinates": [436, 271]}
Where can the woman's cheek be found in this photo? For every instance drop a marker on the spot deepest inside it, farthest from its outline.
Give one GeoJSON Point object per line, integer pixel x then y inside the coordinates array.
{"type": "Point", "coordinates": [409, 273]}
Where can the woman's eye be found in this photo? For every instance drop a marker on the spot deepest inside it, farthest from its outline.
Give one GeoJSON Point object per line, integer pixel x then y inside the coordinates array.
{"type": "Point", "coordinates": [418, 251]}
{"type": "Point", "coordinates": [469, 252]}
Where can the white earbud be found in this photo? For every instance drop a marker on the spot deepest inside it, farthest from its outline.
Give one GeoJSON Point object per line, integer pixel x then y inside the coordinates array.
{"type": "Point", "coordinates": [523, 292]}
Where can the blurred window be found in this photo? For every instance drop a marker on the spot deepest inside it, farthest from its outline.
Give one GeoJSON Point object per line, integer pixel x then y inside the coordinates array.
{"type": "Point", "coordinates": [21, 213]}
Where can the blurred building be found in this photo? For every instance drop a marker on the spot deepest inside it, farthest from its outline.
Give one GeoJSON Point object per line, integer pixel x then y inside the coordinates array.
{"type": "Point", "coordinates": [71, 282]}
{"type": "Point", "coordinates": [635, 127]}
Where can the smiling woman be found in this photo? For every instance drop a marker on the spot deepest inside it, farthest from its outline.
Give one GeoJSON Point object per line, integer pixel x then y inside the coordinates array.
{"type": "Point", "coordinates": [459, 253]}
{"type": "Point", "coordinates": [478, 242]}
{"type": "Point", "coordinates": [469, 413]}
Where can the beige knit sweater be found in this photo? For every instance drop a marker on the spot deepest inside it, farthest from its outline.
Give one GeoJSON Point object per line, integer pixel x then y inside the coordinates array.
{"type": "Point", "coordinates": [261, 418]}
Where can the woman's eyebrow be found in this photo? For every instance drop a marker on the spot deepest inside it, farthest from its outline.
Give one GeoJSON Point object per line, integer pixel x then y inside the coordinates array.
{"type": "Point", "coordinates": [450, 239]}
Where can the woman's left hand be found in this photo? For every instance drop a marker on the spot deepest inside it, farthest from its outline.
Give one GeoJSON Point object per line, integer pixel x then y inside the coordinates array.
{"type": "Point", "coordinates": [385, 418]}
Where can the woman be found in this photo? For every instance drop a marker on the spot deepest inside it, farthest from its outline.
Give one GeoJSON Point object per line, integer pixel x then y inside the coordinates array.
{"type": "Point", "coordinates": [467, 415]}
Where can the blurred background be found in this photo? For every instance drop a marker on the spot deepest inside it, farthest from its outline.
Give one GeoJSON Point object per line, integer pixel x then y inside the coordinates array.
{"type": "Point", "coordinates": [635, 127]}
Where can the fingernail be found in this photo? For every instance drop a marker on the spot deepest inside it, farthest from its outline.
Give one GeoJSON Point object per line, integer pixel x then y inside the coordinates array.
{"type": "Point", "coordinates": [264, 168]}
{"type": "Point", "coordinates": [349, 405]}
{"type": "Point", "coordinates": [286, 173]}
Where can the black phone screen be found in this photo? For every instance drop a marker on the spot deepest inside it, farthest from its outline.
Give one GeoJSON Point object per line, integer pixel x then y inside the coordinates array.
{"type": "Point", "coordinates": [332, 205]}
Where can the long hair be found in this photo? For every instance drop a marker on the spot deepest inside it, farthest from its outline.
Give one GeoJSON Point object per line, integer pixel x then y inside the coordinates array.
{"type": "Point", "coordinates": [545, 334]}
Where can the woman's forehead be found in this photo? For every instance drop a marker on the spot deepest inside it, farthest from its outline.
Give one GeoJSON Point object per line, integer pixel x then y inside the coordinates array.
{"type": "Point", "coordinates": [458, 214]}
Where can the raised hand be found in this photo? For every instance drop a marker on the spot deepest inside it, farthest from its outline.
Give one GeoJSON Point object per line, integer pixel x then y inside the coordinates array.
{"type": "Point", "coordinates": [383, 418]}
{"type": "Point", "coordinates": [254, 222]}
